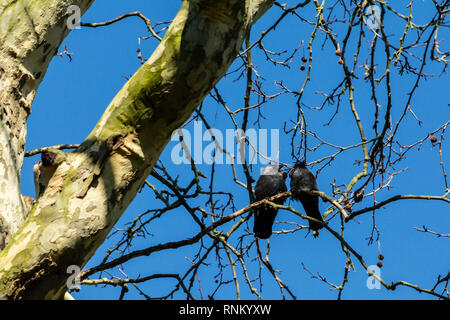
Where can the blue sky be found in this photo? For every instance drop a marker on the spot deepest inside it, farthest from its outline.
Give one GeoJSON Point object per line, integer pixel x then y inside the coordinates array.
{"type": "Point", "coordinates": [74, 94]}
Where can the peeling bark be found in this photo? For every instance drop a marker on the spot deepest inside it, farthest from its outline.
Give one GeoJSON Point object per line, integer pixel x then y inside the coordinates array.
{"type": "Point", "coordinates": [30, 33]}
{"type": "Point", "coordinates": [92, 187]}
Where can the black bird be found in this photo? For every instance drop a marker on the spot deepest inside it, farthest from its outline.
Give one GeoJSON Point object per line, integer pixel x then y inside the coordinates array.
{"type": "Point", "coordinates": [270, 183]}
{"type": "Point", "coordinates": [303, 180]}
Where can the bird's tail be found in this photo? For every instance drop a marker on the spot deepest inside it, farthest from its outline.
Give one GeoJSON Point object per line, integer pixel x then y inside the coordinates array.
{"type": "Point", "coordinates": [312, 210]}
{"type": "Point", "coordinates": [264, 218]}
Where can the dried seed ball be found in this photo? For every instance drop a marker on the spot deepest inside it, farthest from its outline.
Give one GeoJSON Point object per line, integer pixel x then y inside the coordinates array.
{"type": "Point", "coordinates": [341, 61]}
{"type": "Point", "coordinates": [302, 67]}
{"type": "Point", "coordinates": [433, 139]}
{"type": "Point", "coordinates": [359, 196]}
{"type": "Point", "coordinates": [338, 52]}
{"type": "Point", "coordinates": [379, 264]}
{"type": "Point", "coordinates": [304, 59]}
{"type": "Point", "coordinates": [380, 256]}
{"type": "Point", "coordinates": [138, 50]}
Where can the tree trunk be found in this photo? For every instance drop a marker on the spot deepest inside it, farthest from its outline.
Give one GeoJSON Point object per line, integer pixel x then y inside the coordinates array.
{"type": "Point", "coordinates": [30, 33]}
{"type": "Point", "coordinates": [91, 187]}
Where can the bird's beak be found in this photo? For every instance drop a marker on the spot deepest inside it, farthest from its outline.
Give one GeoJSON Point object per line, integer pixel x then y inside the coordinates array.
{"type": "Point", "coordinates": [281, 169]}
{"type": "Point", "coordinates": [290, 172]}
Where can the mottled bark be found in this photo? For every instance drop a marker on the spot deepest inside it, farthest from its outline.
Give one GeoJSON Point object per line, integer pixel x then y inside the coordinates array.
{"type": "Point", "coordinates": [30, 33]}
{"type": "Point", "coordinates": [92, 186]}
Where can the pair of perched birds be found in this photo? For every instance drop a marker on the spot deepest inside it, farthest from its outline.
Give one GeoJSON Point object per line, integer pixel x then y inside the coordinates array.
{"type": "Point", "coordinates": [272, 182]}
